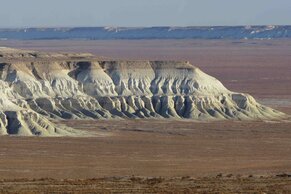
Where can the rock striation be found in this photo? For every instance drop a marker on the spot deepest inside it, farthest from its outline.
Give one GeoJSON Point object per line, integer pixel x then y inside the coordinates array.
{"type": "Point", "coordinates": [37, 87]}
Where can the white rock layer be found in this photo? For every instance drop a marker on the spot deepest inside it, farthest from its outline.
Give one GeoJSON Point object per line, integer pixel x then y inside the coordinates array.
{"type": "Point", "coordinates": [33, 92]}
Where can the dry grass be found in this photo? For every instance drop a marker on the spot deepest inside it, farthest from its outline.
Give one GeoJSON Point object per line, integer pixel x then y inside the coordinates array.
{"type": "Point", "coordinates": [219, 184]}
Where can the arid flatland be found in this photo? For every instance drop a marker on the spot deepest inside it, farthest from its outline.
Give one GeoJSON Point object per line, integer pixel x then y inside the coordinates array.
{"type": "Point", "coordinates": [153, 148]}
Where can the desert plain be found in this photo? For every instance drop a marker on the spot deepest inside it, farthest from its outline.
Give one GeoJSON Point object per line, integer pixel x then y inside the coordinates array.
{"type": "Point", "coordinates": [129, 153]}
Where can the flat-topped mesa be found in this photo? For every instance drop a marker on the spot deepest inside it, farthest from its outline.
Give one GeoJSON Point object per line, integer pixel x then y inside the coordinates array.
{"type": "Point", "coordinates": [12, 55]}
{"type": "Point", "coordinates": [94, 88]}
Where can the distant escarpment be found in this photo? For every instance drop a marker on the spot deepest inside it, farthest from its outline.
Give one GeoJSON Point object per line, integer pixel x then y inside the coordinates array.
{"type": "Point", "coordinates": [37, 87]}
{"type": "Point", "coordinates": [147, 33]}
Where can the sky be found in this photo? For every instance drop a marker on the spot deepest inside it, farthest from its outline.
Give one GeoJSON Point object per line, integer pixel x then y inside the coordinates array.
{"type": "Point", "coordinates": [138, 13]}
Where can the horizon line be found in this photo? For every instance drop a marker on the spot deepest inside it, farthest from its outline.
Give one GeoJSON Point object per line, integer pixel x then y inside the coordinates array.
{"type": "Point", "coordinates": [135, 27]}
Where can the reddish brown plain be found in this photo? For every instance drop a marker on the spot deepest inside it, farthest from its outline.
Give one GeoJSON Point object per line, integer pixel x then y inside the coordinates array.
{"type": "Point", "coordinates": [153, 148]}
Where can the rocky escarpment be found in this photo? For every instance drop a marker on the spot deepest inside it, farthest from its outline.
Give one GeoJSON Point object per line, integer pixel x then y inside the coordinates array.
{"type": "Point", "coordinates": [36, 89]}
{"type": "Point", "coordinates": [105, 33]}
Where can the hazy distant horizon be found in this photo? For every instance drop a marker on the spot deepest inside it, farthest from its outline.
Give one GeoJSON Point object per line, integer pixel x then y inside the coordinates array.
{"type": "Point", "coordinates": [136, 27]}
{"type": "Point", "coordinates": [105, 33]}
{"type": "Point", "coordinates": [131, 13]}
{"type": "Point", "coordinates": [157, 26]}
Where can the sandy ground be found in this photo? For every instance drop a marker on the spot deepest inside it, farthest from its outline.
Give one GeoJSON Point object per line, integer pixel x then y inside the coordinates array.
{"type": "Point", "coordinates": [153, 148]}
{"type": "Point", "coordinates": [222, 157]}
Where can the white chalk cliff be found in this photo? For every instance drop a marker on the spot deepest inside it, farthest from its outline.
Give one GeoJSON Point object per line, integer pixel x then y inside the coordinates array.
{"type": "Point", "coordinates": [37, 87]}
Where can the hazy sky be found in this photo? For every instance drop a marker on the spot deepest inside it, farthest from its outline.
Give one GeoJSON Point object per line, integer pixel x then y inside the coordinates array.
{"type": "Point", "coordinates": [55, 13]}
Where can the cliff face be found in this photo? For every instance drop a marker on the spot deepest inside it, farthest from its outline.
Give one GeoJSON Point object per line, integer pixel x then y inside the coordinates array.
{"type": "Point", "coordinates": [35, 87]}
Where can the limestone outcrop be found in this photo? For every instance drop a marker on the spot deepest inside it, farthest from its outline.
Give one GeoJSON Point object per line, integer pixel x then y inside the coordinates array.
{"type": "Point", "coordinates": [37, 87]}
